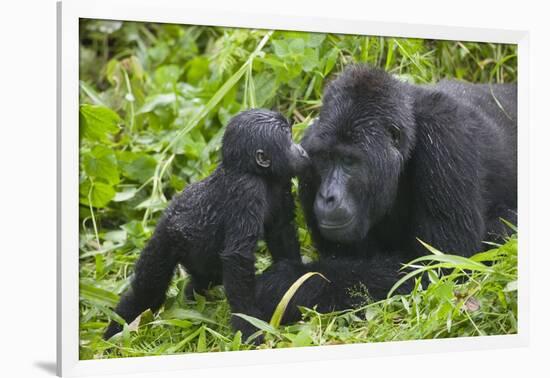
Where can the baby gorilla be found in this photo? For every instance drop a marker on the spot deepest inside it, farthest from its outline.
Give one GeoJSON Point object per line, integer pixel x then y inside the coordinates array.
{"type": "Point", "coordinates": [213, 226]}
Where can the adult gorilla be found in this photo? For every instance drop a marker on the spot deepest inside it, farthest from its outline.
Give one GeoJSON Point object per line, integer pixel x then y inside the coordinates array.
{"type": "Point", "coordinates": [394, 163]}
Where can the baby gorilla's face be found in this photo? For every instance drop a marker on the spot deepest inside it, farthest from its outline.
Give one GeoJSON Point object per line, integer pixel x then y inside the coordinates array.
{"type": "Point", "coordinates": [260, 141]}
{"type": "Point", "coordinates": [277, 153]}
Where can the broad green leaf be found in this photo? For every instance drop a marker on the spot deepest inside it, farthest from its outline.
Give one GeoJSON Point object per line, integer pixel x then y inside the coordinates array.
{"type": "Point", "coordinates": [311, 59]}
{"type": "Point", "coordinates": [197, 70]}
{"type": "Point", "coordinates": [139, 167]}
{"type": "Point", "coordinates": [166, 76]}
{"type": "Point", "coordinates": [101, 163]}
{"type": "Point", "coordinates": [280, 48]}
{"type": "Point", "coordinates": [155, 101]}
{"type": "Point", "coordinates": [296, 46]}
{"type": "Point", "coordinates": [266, 88]}
{"type": "Point", "coordinates": [125, 195]}
{"type": "Point", "coordinates": [315, 39]}
{"type": "Point", "coordinates": [98, 122]}
{"type": "Point", "coordinates": [100, 196]}
{"type": "Point", "coordinates": [222, 91]}
{"type": "Point", "coordinates": [258, 323]}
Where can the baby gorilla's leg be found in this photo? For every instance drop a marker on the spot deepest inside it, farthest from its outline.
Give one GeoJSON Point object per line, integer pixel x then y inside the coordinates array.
{"type": "Point", "coordinates": [153, 273]}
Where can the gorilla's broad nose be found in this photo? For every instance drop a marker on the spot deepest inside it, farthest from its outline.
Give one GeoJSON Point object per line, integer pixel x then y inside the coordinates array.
{"type": "Point", "coordinates": [327, 200]}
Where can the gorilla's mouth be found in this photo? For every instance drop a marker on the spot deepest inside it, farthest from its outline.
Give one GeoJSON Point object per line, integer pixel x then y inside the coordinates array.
{"type": "Point", "coordinates": [337, 226]}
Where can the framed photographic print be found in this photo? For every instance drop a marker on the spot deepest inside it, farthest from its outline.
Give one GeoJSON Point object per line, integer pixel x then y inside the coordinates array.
{"type": "Point", "coordinates": [238, 187]}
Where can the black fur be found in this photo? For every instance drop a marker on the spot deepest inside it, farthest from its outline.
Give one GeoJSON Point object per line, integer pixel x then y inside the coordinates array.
{"type": "Point", "coordinates": [394, 162]}
{"type": "Point", "coordinates": [213, 227]}
{"type": "Point", "coordinates": [346, 283]}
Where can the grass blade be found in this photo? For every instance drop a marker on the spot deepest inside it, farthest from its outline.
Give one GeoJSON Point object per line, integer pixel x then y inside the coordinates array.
{"type": "Point", "coordinates": [283, 303]}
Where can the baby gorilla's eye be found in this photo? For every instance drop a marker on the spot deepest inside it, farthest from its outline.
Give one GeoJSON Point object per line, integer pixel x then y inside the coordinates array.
{"type": "Point", "coordinates": [395, 134]}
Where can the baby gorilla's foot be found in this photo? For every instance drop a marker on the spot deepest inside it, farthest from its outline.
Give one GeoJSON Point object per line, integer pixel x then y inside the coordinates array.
{"type": "Point", "coordinates": [112, 330]}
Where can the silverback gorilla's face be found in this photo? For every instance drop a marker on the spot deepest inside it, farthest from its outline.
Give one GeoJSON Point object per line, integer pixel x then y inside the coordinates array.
{"type": "Point", "coordinates": [358, 148]}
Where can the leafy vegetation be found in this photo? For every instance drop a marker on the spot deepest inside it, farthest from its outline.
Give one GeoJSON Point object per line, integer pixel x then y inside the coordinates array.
{"type": "Point", "coordinates": [153, 102]}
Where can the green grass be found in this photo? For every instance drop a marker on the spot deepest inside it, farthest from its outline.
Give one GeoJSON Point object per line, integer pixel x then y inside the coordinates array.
{"type": "Point", "coordinates": [154, 99]}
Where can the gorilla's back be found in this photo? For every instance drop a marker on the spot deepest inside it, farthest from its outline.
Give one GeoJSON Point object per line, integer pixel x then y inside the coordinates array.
{"type": "Point", "coordinates": [498, 102]}
{"type": "Point", "coordinates": [496, 107]}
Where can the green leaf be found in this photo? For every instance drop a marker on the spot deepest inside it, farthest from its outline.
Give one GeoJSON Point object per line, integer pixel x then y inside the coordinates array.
{"type": "Point", "coordinates": [201, 343]}
{"type": "Point", "coordinates": [221, 92]}
{"type": "Point", "coordinates": [184, 342]}
{"type": "Point", "coordinates": [180, 313]}
{"type": "Point", "coordinates": [315, 39]}
{"type": "Point", "coordinates": [98, 122]}
{"type": "Point", "coordinates": [311, 59]}
{"type": "Point", "coordinates": [173, 322]}
{"type": "Point", "coordinates": [100, 196]}
{"type": "Point", "coordinates": [237, 341]}
{"type": "Point", "coordinates": [444, 291]}
{"type": "Point", "coordinates": [452, 261]}
{"type": "Point", "coordinates": [91, 93]}
{"type": "Point", "coordinates": [296, 46]}
{"type": "Point", "coordinates": [331, 60]}
{"type": "Point", "coordinates": [197, 69]}
{"type": "Point", "coordinates": [430, 248]}
{"type": "Point", "coordinates": [156, 101]}
{"type": "Point", "coordinates": [125, 195]}
{"type": "Point", "coordinates": [283, 303]}
{"type": "Point", "coordinates": [302, 339]}
{"type": "Point", "coordinates": [266, 88]}
{"type": "Point", "coordinates": [140, 168]}
{"type": "Point", "coordinates": [166, 76]}
{"type": "Point", "coordinates": [511, 286]}
{"type": "Point", "coordinates": [258, 323]}
{"type": "Point", "coordinates": [96, 294]}
{"type": "Point", "coordinates": [280, 48]}
{"type": "Point", "coordinates": [101, 163]}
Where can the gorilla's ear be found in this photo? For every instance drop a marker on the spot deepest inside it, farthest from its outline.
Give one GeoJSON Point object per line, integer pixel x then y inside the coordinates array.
{"type": "Point", "coordinates": [262, 159]}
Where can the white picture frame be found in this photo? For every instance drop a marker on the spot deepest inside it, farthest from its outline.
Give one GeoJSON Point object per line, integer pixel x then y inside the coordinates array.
{"type": "Point", "coordinates": [69, 12]}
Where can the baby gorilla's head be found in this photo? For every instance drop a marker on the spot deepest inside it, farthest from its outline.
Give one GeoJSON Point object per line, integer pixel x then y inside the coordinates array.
{"type": "Point", "coordinates": [259, 141]}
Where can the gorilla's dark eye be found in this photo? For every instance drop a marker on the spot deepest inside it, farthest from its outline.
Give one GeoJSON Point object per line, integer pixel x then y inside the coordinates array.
{"type": "Point", "coordinates": [395, 134]}
{"type": "Point", "coordinates": [348, 160]}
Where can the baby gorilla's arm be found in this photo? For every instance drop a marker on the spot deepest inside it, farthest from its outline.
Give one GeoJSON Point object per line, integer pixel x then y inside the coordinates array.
{"type": "Point", "coordinates": [238, 270]}
{"type": "Point", "coordinates": [281, 236]}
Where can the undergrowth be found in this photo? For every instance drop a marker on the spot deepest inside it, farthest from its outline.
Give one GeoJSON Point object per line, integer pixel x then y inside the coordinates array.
{"type": "Point", "coordinates": [153, 102]}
